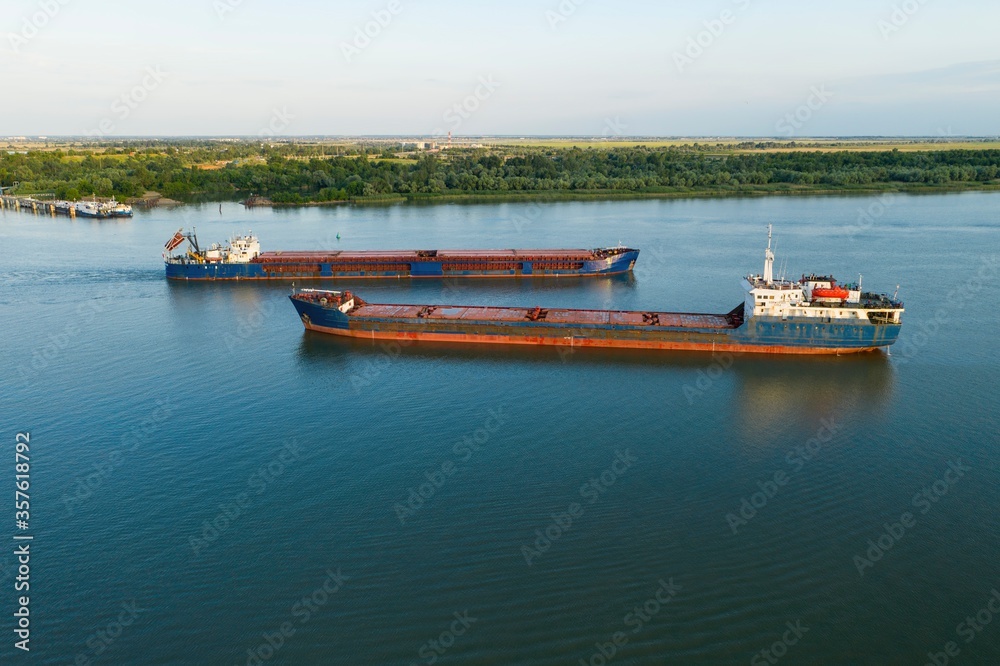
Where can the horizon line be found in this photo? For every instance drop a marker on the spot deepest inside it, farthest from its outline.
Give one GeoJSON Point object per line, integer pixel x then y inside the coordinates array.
{"type": "Point", "coordinates": [589, 137]}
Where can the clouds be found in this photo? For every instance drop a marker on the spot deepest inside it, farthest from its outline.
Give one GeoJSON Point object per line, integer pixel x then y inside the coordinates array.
{"type": "Point", "coordinates": [604, 60]}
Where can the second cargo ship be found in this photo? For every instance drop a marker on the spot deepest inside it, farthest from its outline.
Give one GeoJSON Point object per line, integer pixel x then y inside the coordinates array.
{"type": "Point", "coordinates": [814, 315]}
{"type": "Point", "coordinates": [241, 259]}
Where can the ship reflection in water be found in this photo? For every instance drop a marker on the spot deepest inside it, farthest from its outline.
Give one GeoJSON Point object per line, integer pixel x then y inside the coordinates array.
{"type": "Point", "coordinates": [813, 391]}
{"type": "Point", "coordinates": [764, 392]}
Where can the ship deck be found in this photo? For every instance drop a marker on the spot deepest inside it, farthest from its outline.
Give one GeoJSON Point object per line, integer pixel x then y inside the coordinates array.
{"type": "Point", "coordinates": [470, 314]}
{"type": "Point", "coordinates": [322, 256]}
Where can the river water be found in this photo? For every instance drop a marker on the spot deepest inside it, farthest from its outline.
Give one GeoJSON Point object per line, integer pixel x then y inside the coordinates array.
{"type": "Point", "coordinates": [211, 484]}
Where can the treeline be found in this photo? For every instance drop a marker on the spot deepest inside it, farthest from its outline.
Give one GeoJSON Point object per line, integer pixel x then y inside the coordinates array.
{"type": "Point", "coordinates": [286, 175]}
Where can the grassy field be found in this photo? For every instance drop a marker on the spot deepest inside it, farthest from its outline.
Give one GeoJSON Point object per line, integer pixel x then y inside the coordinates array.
{"type": "Point", "coordinates": [770, 145]}
{"type": "Point", "coordinates": [722, 144]}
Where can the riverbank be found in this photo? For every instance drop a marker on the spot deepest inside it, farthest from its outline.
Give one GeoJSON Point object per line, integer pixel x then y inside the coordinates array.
{"type": "Point", "coordinates": [292, 174]}
{"type": "Point", "coordinates": [603, 195]}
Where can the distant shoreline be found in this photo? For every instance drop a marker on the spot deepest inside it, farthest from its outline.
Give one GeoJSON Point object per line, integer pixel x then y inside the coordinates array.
{"type": "Point", "coordinates": [557, 196]}
{"type": "Point", "coordinates": [286, 175]}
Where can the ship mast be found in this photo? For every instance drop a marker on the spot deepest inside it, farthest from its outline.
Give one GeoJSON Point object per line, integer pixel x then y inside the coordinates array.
{"type": "Point", "coordinates": [768, 259]}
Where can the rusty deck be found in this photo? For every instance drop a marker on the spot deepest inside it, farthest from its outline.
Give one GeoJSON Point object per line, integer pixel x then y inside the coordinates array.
{"type": "Point", "coordinates": [470, 314]}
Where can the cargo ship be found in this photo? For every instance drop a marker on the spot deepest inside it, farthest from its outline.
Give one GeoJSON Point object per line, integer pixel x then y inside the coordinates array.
{"type": "Point", "coordinates": [241, 259]}
{"type": "Point", "coordinates": [813, 315]}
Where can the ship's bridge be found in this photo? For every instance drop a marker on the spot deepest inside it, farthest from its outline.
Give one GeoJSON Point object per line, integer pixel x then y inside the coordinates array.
{"type": "Point", "coordinates": [771, 297]}
{"type": "Point", "coordinates": [243, 249]}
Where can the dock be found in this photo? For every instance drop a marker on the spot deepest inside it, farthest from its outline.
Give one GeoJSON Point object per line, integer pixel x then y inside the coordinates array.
{"type": "Point", "coordinates": [8, 201]}
{"type": "Point", "coordinates": [97, 209]}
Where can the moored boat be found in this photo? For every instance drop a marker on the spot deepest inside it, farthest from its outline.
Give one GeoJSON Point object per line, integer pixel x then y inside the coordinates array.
{"type": "Point", "coordinates": [89, 209]}
{"type": "Point", "coordinates": [103, 209]}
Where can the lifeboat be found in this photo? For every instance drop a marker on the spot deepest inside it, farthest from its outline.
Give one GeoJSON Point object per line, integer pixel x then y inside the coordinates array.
{"type": "Point", "coordinates": [832, 292]}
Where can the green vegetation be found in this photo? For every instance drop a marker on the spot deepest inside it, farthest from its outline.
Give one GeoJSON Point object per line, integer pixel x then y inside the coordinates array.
{"type": "Point", "coordinates": [298, 173]}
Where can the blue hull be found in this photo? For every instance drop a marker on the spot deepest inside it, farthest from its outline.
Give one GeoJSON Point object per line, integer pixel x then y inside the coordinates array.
{"type": "Point", "coordinates": [758, 335]}
{"type": "Point", "coordinates": [800, 332]}
{"type": "Point", "coordinates": [621, 263]}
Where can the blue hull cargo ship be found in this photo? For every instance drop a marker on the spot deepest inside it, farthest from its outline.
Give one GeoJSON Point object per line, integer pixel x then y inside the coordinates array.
{"type": "Point", "coordinates": [813, 315]}
{"type": "Point", "coordinates": [241, 259]}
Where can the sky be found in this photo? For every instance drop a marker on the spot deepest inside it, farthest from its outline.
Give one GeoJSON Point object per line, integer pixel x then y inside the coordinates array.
{"type": "Point", "coordinates": [488, 67]}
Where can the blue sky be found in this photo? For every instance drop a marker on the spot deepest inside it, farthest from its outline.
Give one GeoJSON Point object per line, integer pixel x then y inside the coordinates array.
{"type": "Point", "coordinates": [582, 67]}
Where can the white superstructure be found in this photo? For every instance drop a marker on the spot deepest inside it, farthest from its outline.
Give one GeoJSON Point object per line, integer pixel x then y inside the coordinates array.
{"type": "Point", "coordinates": [239, 250]}
{"type": "Point", "coordinates": [242, 249]}
{"type": "Point", "coordinates": [819, 298]}
{"type": "Point", "coordinates": [88, 208]}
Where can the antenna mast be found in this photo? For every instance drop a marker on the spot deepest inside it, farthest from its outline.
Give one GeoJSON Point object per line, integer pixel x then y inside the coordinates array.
{"type": "Point", "coordinates": [768, 259]}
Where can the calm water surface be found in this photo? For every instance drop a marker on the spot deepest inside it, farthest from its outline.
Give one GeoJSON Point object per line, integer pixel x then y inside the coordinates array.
{"type": "Point", "coordinates": [196, 453]}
